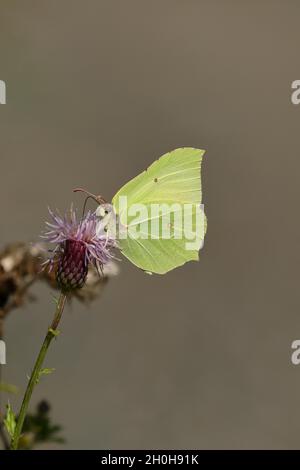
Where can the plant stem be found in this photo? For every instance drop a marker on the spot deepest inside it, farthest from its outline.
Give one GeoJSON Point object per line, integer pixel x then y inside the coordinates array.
{"type": "Point", "coordinates": [35, 375]}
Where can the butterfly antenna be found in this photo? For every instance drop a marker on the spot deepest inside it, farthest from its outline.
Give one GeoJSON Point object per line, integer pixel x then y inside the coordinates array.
{"type": "Point", "coordinates": [98, 199]}
{"type": "Point", "coordinates": [84, 205]}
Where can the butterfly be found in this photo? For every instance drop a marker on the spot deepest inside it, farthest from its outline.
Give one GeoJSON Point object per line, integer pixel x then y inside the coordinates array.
{"type": "Point", "coordinates": [157, 217]}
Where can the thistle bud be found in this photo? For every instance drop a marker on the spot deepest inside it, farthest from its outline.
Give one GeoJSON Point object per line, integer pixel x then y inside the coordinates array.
{"type": "Point", "coordinates": [78, 245]}
{"type": "Point", "coordinates": [72, 266]}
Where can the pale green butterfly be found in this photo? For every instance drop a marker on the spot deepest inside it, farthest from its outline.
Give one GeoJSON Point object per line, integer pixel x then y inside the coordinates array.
{"type": "Point", "coordinates": [161, 223]}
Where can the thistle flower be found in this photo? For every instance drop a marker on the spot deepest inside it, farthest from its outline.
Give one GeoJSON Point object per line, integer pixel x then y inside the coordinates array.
{"type": "Point", "coordinates": [77, 245]}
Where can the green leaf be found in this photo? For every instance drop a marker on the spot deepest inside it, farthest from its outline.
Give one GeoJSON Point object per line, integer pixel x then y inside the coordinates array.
{"type": "Point", "coordinates": [8, 388]}
{"type": "Point", "coordinates": [55, 299]}
{"type": "Point", "coordinates": [47, 371]}
{"type": "Point", "coordinates": [173, 183]}
{"type": "Point", "coordinates": [44, 372]}
{"type": "Point", "coordinates": [10, 421]}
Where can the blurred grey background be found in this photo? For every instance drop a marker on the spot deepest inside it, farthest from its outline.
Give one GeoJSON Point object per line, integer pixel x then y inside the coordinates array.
{"type": "Point", "coordinates": [96, 90]}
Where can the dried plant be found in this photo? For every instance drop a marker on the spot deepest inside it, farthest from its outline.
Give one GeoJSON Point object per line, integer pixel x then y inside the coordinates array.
{"type": "Point", "coordinates": [20, 267]}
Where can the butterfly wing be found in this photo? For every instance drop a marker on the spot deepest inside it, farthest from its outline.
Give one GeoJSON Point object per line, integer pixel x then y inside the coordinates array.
{"type": "Point", "coordinates": [172, 185]}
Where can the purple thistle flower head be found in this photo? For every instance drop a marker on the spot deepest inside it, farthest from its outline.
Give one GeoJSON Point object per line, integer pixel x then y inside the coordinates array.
{"type": "Point", "coordinates": [77, 244]}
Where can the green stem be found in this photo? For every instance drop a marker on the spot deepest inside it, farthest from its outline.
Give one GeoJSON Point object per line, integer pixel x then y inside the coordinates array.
{"type": "Point", "coordinates": [35, 375]}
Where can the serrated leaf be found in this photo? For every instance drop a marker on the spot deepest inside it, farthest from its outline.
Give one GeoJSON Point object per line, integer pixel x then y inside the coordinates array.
{"type": "Point", "coordinates": [10, 421]}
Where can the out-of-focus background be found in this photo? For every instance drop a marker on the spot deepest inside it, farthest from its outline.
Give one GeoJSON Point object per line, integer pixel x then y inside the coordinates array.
{"type": "Point", "coordinates": [96, 90]}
